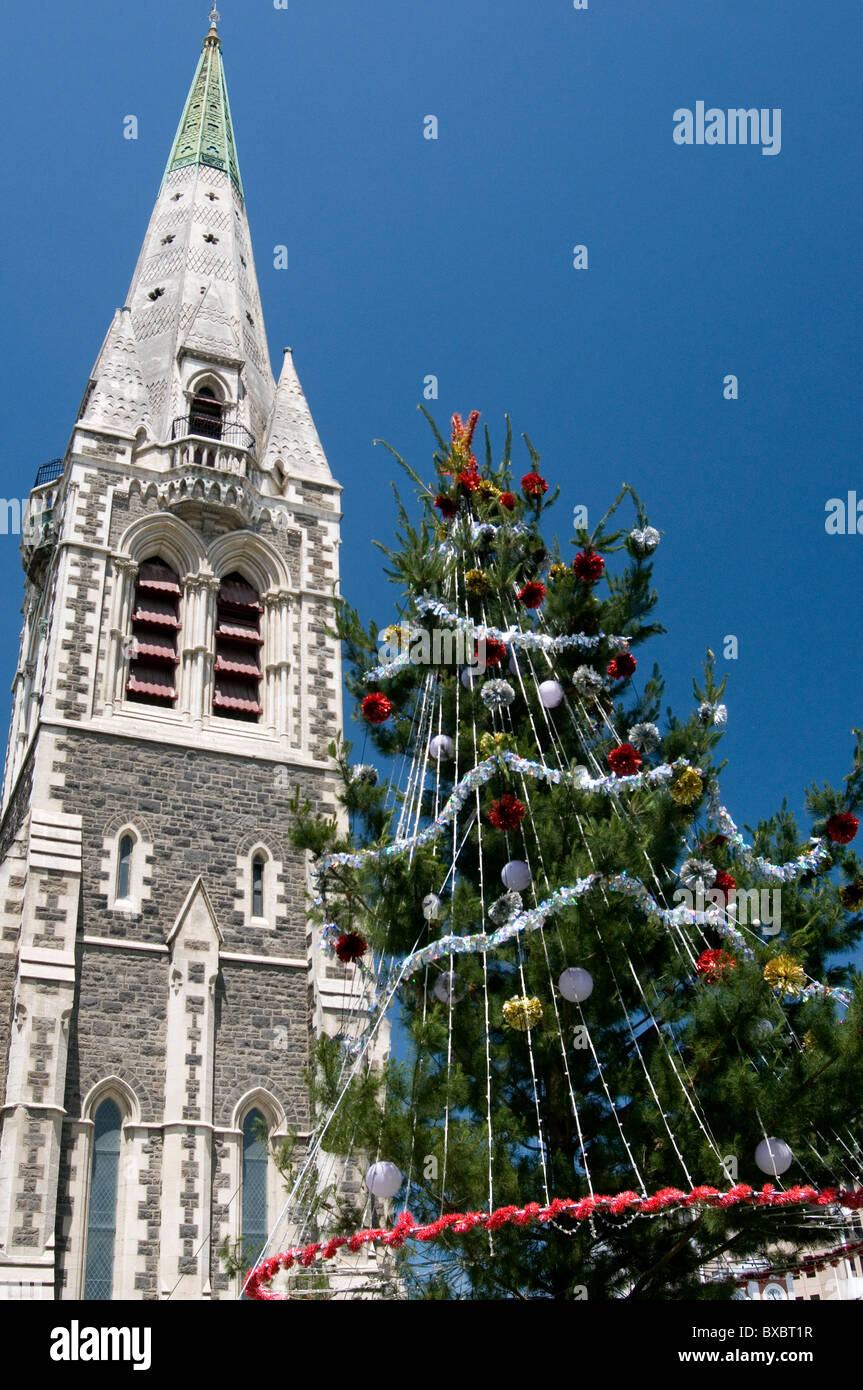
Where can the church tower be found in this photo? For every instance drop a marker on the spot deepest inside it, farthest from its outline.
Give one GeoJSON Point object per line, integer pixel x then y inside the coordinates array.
{"type": "Point", "coordinates": [159, 984]}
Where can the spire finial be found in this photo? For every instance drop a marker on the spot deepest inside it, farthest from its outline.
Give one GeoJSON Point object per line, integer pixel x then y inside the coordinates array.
{"type": "Point", "coordinates": [214, 16]}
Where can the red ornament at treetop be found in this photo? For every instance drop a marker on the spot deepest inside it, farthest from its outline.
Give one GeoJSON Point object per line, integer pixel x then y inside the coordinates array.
{"type": "Point", "coordinates": [507, 499]}
{"type": "Point", "coordinates": [376, 707]}
{"type": "Point", "coordinates": [533, 485]}
{"type": "Point", "coordinates": [842, 828]}
{"type": "Point", "coordinates": [624, 760]}
{"type": "Point", "coordinates": [445, 505]}
{"type": "Point", "coordinates": [588, 566]}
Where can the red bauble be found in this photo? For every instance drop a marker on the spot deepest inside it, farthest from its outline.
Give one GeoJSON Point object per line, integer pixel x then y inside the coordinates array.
{"type": "Point", "coordinates": [842, 828]}
{"type": "Point", "coordinates": [445, 505]}
{"type": "Point", "coordinates": [624, 760]}
{"type": "Point", "coordinates": [350, 946]}
{"type": "Point", "coordinates": [376, 708]}
{"type": "Point", "coordinates": [532, 485]}
{"type": "Point", "coordinates": [494, 652]}
{"type": "Point", "coordinates": [533, 594]}
{"type": "Point", "coordinates": [588, 566]}
{"type": "Point", "coordinates": [713, 964]}
{"type": "Point", "coordinates": [727, 882]}
{"type": "Point", "coordinates": [507, 499]}
{"type": "Point", "coordinates": [507, 813]}
{"type": "Point", "coordinates": [620, 668]}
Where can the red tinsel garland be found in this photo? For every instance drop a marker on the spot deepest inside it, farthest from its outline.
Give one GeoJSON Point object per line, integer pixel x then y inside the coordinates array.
{"type": "Point", "coordinates": [579, 1209]}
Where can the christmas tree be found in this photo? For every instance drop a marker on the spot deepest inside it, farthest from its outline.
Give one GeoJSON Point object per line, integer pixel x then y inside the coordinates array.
{"type": "Point", "coordinates": [625, 1058]}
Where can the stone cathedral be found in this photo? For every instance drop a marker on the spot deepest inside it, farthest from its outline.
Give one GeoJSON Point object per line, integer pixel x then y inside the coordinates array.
{"type": "Point", "coordinates": [160, 986]}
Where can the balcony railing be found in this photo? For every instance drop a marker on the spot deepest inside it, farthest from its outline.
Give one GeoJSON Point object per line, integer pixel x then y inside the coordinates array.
{"type": "Point", "coordinates": [225, 431]}
{"type": "Point", "coordinates": [54, 468]}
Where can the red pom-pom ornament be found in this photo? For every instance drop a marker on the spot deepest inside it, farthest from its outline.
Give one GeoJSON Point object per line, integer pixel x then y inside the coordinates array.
{"type": "Point", "coordinates": [532, 485]}
{"type": "Point", "coordinates": [624, 760]}
{"type": "Point", "coordinates": [726, 882]}
{"type": "Point", "coordinates": [620, 668]}
{"type": "Point", "coordinates": [533, 594]}
{"type": "Point", "coordinates": [494, 652]}
{"type": "Point", "coordinates": [376, 708]}
{"type": "Point", "coordinates": [507, 499]}
{"type": "Point", "coordinates": [842, 828]}
{"type": "Point", "coordinates": [588, 566]}
{"type": "Point", "coordinates": [350, 947]}
{"type": "Point", "coordinates": [712, 965]}
{"type": "Point", "coordinates": [507, 813]}
{"type": "Point", "coordinates": [446, 506]}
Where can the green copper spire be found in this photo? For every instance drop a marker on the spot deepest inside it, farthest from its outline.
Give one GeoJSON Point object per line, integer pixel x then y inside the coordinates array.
{"type": "Point", "coordinates": [205, 134]}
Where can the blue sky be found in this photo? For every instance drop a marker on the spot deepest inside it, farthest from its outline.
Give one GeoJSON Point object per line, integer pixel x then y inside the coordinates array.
{"type": "Point", "coordinates": [454, 257]}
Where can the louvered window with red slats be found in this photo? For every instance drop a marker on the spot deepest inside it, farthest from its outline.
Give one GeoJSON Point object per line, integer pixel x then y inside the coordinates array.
{"type": "Point", "coordinates": [237, 671]}
{"type": "Point", "coordinates": [153, 659]}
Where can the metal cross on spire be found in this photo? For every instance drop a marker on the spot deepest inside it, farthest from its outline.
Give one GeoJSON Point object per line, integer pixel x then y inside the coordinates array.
{"type": "Point", "coordinates": [214, 16]}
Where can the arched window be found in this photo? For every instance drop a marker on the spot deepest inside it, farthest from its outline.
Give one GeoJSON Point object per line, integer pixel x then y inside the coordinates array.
{"type": "Point", "coordinates": [153, 655]}
{"type": "Point", "coordinates": [258, 886]}
{"type": "Point", "coordinates": [237, 670]}
{"type": "Point", "coordinates": [254, 1211]}
{"type": "Point", "coordinates": [124, 866]}
{"type": "Point", "coordinates": [205, 416]}
{"type": "Point", "coordinates": [102, 1215]}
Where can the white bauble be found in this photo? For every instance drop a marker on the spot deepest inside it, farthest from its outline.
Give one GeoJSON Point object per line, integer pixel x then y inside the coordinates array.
{"type": "Point", "coordinates": [383, 1179]}
{"type": "Point", "coordinates": [448, 988]}
{"type": "Point", "coordinates": [441, 747]}
{"type": "Point", "coordinates": [469, 676]}
{"type": "Point", "coordinates": [550, 694]}
{"type": "Point", "coordinates": [516, 875]}
{"type": "Point", "coordinates": [576, 984]}
{"type": "Point", "coordinates": [762, 1029]}
{"type": "Point", "coordinates": [432, 907]}
{"type": "Point", "coordinates": [773, 1157]}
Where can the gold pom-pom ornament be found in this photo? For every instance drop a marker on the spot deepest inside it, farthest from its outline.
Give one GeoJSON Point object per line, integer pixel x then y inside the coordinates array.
{"type": "Point", "coordinates": [522, 1013]}
{"type": "Point", "coordinates": [558, 571]}
{"type": "Point", "coordinates": [783, 974]}
{"type": "Point", "coordinates": [490, 745]}
{"type": "Point", "coordinates": [477, 582]}
{"type": "Point", "coordinates": [851, 896]}
{"type": "Point", "coordinates": [486, 491]}
{"type": "Point", "coordinates": [686, 787]}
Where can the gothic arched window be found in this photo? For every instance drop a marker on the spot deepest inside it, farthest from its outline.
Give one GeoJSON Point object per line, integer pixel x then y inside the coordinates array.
{"type": "Point", "coordinates": [258, 886]}
{"type": "Point", "coordinates": [237, 670]}
{"type": "Point", "coordinates": [153, 655]}
{"type": "Point", "coordinates": [254, 1209]}
{"type": "Point", "coordinates": [124, 866]}
{"type": "Point", "coordinates": [102, 1214]}
{"type": "Point", "coordinates": [205, 416]}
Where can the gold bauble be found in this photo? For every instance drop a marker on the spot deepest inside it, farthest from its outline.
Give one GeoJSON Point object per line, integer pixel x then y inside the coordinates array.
{"type": "Point", "coordinates": [522, 1013]}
